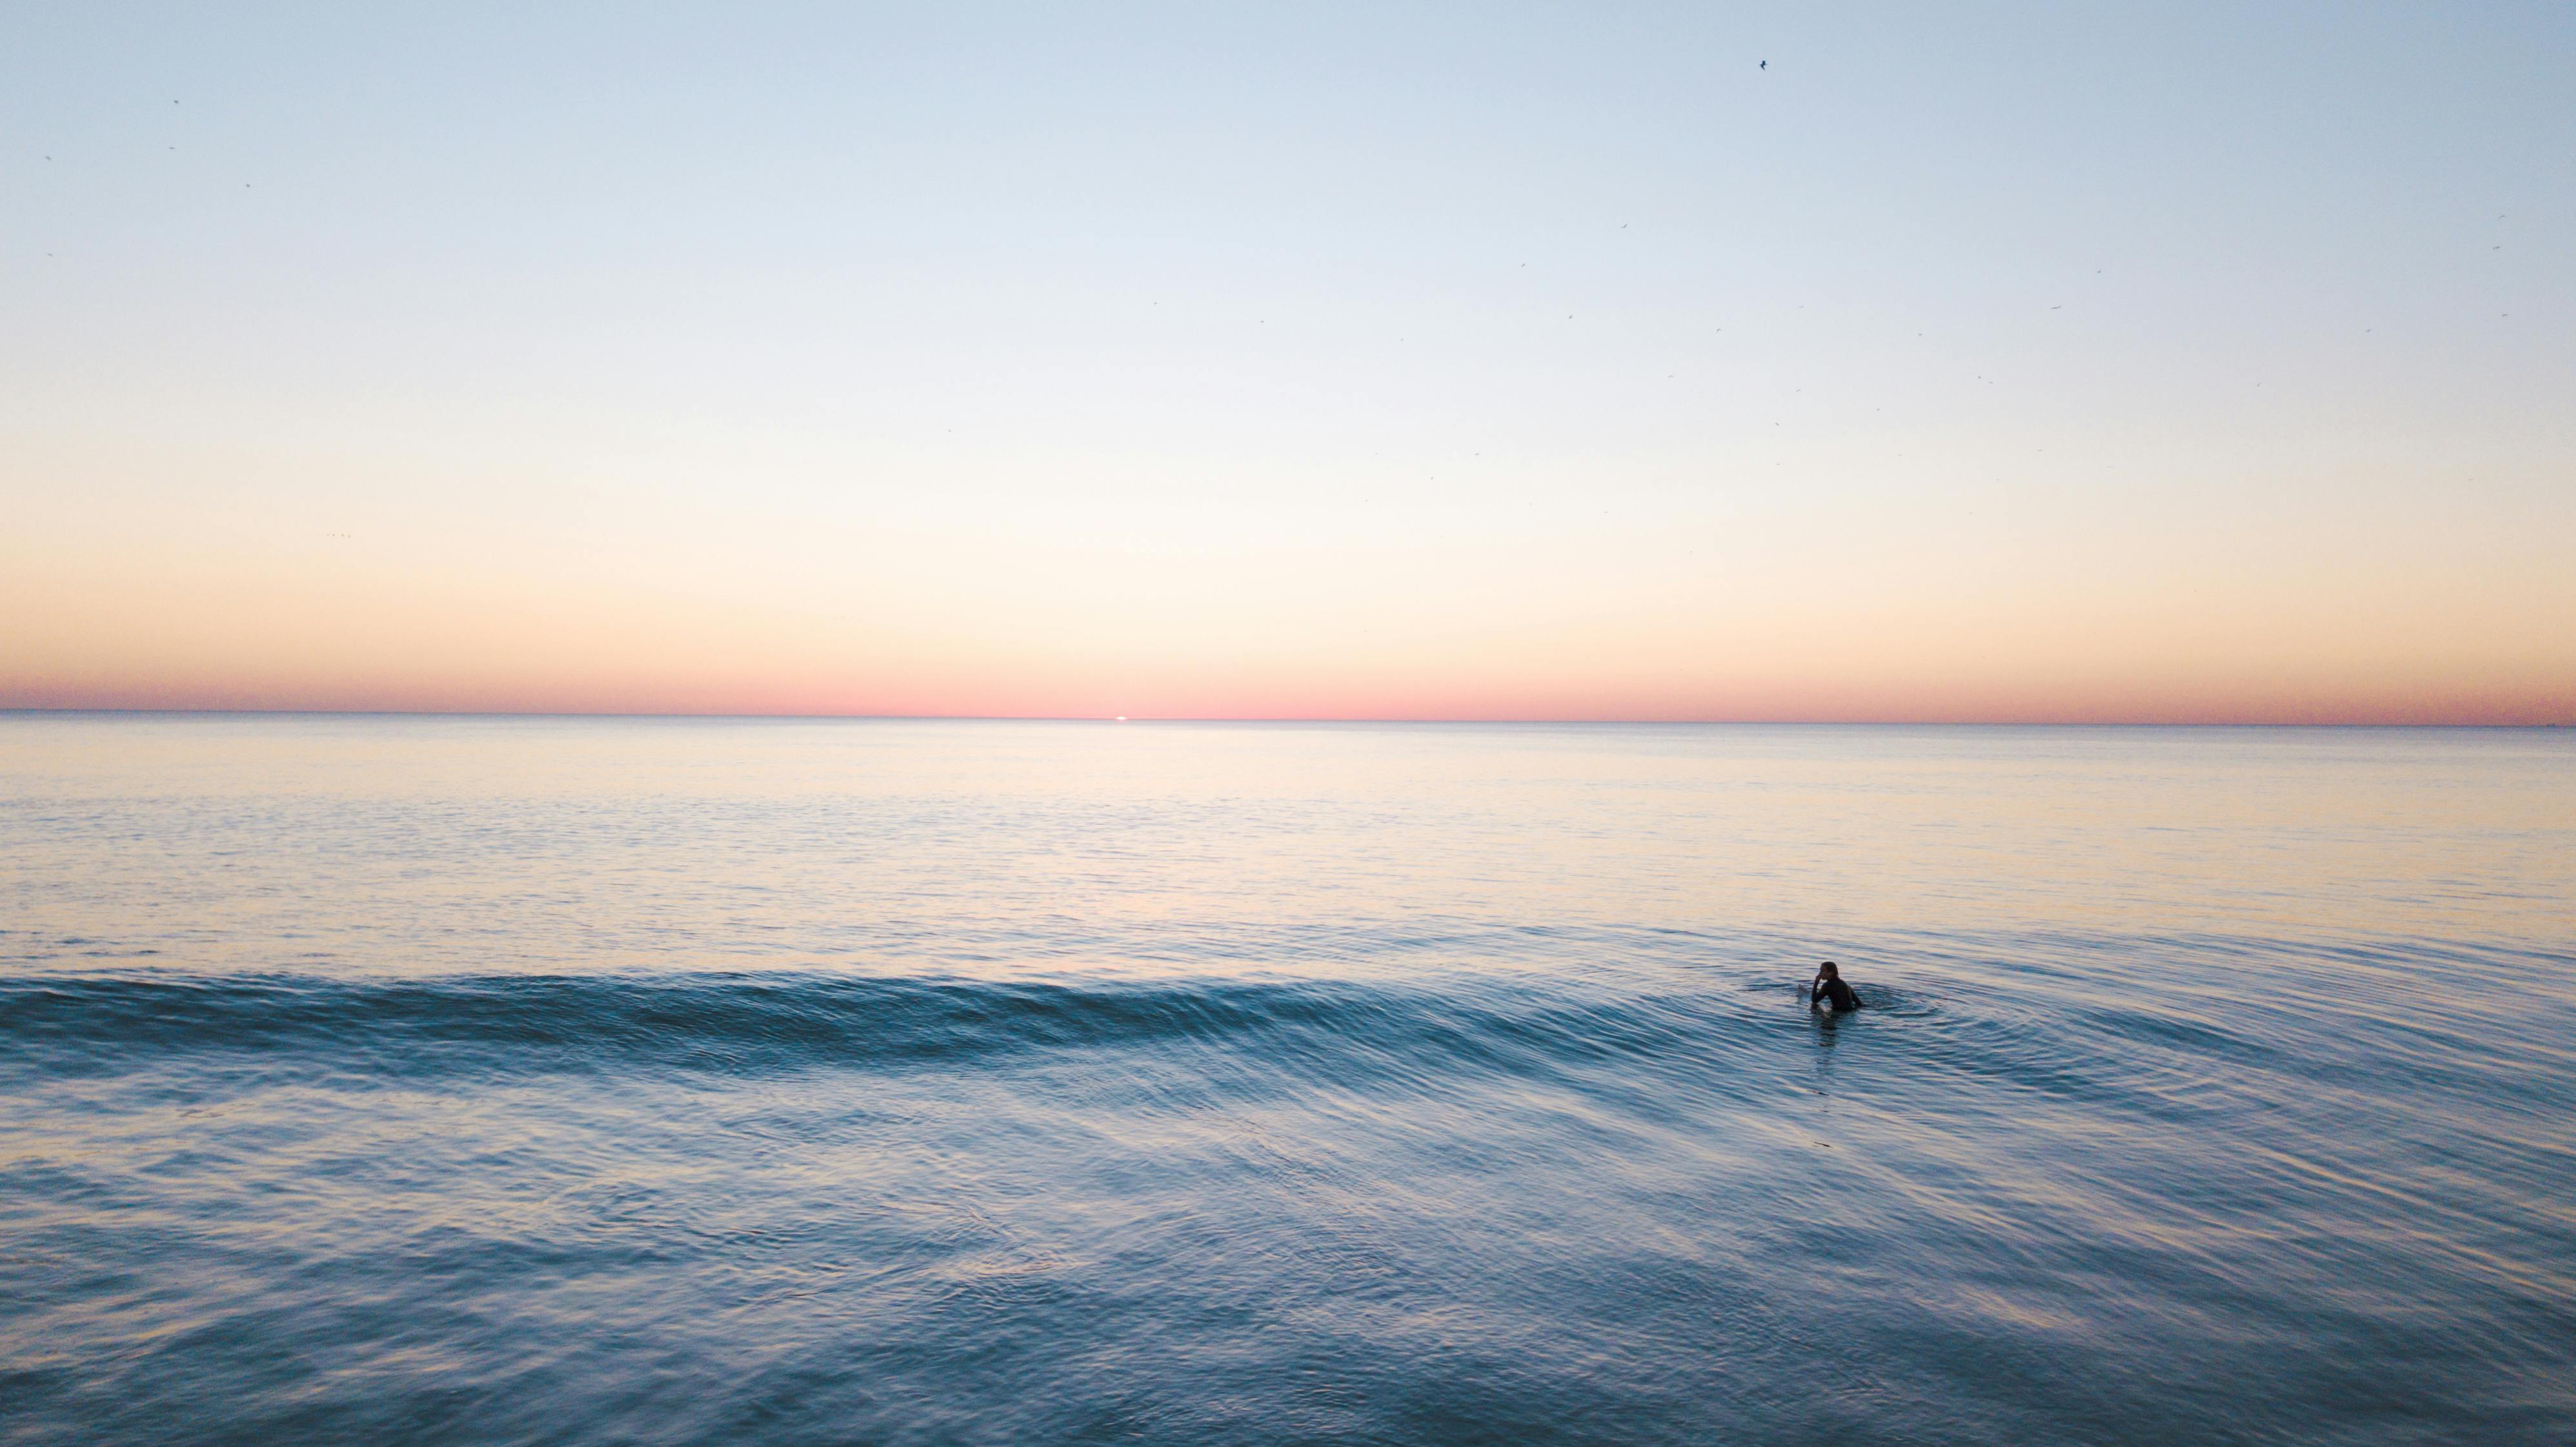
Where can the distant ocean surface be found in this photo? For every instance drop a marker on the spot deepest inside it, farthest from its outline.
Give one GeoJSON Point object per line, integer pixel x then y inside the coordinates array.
{"type": "Point", "coordinates": [479, 1080]}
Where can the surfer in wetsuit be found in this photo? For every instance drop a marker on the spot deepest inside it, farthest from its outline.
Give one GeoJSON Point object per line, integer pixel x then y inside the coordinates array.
{"type": "Point", "coordinates": [1828, 992]}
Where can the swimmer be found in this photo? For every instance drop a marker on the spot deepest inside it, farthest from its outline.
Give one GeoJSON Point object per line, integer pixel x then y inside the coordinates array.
{"type": "Point", "coordinates": [1828, 992]}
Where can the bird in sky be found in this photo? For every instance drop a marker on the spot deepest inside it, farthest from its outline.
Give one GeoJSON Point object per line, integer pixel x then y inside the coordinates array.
{"type": "Point", "coordinates": [1766, 65]}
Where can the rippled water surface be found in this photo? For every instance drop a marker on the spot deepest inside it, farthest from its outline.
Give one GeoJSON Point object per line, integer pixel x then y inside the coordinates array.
{"type": "Point", "coordinates": [486, 1080]}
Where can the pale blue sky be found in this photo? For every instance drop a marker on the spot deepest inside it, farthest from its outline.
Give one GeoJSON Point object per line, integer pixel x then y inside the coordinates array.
{"type": "Point", "coordinates": [1464, 311]}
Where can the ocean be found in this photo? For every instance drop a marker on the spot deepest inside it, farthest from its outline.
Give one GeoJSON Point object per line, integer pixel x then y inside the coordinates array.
{"type": "Point", "coordinates": [583, 1081]}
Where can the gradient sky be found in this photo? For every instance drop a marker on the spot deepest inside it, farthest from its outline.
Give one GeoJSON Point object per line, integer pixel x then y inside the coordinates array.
{"type": "Point", "coordinates": [1379, 361]}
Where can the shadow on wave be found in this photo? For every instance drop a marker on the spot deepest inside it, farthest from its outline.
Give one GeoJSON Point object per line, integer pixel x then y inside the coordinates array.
{"type": "Point", "coordinates": [733, 1023]}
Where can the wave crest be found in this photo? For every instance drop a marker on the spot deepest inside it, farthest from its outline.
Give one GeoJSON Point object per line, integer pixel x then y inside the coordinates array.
{"type": "Point", "coordinates": [102, 1025]}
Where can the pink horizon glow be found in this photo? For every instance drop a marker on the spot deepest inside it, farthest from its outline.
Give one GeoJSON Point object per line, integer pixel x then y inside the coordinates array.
{"type": "Point", "coordinates": [2461, 707]}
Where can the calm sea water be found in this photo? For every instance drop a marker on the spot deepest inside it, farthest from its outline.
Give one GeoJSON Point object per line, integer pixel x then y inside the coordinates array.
{"type": "Point", "coordinates": [538, 1081]}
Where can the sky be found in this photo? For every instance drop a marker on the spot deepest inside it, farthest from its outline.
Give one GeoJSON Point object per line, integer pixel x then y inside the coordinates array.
{"type": "Point", "coordinates": [2143, 363]}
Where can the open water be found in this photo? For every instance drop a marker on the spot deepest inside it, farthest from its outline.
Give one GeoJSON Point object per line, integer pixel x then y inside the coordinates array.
{"type": "Point", "coordinates": [396, 1080]}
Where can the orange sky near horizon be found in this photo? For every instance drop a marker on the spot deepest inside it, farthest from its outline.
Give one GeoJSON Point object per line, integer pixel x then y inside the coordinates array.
{"type": "Point", "coordinates": [210, 605]}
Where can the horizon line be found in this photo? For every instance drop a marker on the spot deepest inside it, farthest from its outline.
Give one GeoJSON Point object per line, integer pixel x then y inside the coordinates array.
{"type": "Point", "coordinates": [788, 717]}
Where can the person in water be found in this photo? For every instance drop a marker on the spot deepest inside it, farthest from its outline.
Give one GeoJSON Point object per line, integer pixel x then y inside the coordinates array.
{"type": "Point", "coordinates": [1828, 992]}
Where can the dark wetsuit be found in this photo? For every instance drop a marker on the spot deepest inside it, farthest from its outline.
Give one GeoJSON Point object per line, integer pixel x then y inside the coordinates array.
{"type": "Point", "coordinates": [1836, 991]}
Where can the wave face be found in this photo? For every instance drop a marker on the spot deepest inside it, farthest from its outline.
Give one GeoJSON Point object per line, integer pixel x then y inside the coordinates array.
{"type": "Point", "coordinates": [389, 1082]}
{"type": "Point", "coordinates": [499, 1027]}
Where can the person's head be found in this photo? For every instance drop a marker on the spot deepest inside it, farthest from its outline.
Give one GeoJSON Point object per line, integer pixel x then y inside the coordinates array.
{"type": "Point", "coordinates": [1828, 971]}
